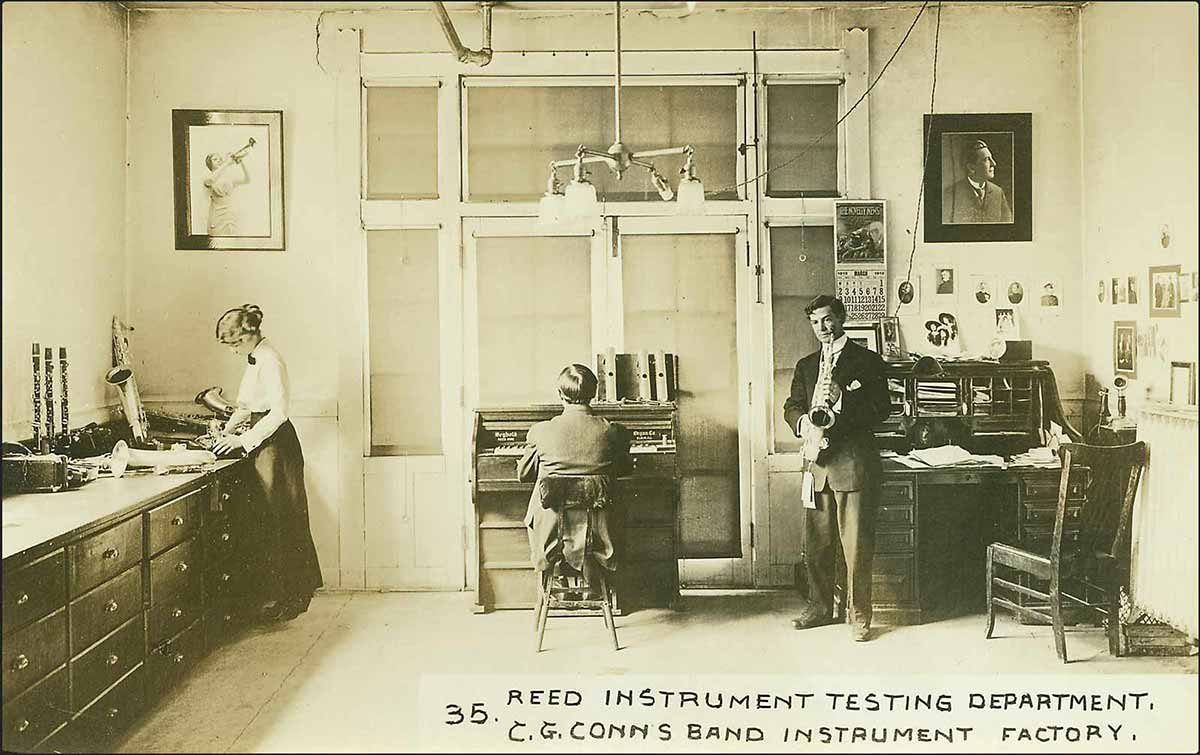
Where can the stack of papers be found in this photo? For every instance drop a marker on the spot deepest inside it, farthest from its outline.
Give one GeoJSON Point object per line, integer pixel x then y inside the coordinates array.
{"type": "Point", "coordinates": [1036, 457]}
{"type": "Point", "coordinates": [949, 456]}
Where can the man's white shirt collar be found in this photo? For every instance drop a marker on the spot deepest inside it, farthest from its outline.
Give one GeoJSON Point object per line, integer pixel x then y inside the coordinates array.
{"type": "Point", "coordinates": [978, 186]}
{"type": "Point", "coordinates": [837, 345]}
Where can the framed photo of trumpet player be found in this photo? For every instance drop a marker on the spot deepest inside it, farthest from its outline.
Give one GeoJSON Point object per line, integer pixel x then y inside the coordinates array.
{"type": "Point", "coordinates": [978, 177]}
{"type": "Point", "coordinates": [228, 179]}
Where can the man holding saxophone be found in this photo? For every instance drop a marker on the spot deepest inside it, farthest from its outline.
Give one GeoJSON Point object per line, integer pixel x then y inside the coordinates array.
{"type": "Point", "coordinates": [839, 394]}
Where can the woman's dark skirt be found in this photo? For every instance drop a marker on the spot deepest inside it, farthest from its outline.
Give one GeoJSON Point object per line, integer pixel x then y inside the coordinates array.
{"type": "Point", "coordinates": [284, 557]}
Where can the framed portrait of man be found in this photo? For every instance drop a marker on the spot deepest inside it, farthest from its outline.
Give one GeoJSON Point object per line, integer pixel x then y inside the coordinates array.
{"type": "Point", "coordinates": [228, 179]}
{"type": "Point", "coordinates": [978, 177]}
{"type": "Point", "coordinates": [1125, 348]}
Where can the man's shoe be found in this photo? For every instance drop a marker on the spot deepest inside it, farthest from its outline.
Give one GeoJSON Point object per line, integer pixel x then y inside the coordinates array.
{"type": "Point", "coordinates": [860, 633]}
{"type": "Point", "coordinates": [811, 619]}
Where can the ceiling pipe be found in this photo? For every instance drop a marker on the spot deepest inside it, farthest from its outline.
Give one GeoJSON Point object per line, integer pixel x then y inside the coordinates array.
{"type": "Point", "coordinates": [480, 57]}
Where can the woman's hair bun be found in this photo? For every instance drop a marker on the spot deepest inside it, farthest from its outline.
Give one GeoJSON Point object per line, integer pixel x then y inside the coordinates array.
{"type": "Point", "coordinates": [252, 316]}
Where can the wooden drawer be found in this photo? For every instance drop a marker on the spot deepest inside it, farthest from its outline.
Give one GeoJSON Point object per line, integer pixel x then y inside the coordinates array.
{"type": "Point", "coordinates": [32, 716]}
{"type": "Point", "coordinates": [34, 590]}
{"type": "Point", "coordinates": [893, 580]}
{"type": "Point", "coordinates": [1046, 489]}
{"type": "Point", "coordinates": [497, 467]}
{"type": "Point", "coordinates": [98, 728]}
{"type": "Point", "coordinates": [647, 504]}
{"type": "Point", "coordinates": [175, 521]}
{"type": "Point", "coordinates": [173, 572]}
{"type": "Point", "coordinates": [896, 491]}
{"type": "Point", "coordinates": [221, 622]}
{"type": "Point", "coordinates": [100, 667]}
{"type": "Point", "coordinates": [894, 541]}
{"type": "Point", "coordinates": [32, 652]}
{"type": "Point", "coordinates": [167, 617]}
{"type": "Point", "coordinates": [503, 545]}
{"type": "Point", "coordinates": [895, 515]}
{"type": "Point", "coordinates": [105, 608]}
{"type": "Point", "coordinates": [226, 582]}
{"type": "Point", "coordinates": [653, 465]}
{"type": "Point", "coordinates": [648, 544]}
{"type": "Point", "coordinates": [221, 539]}
{"type": "Point", "coordinates": [104, 555]}
{"type": "Point", "coordinates": [1045, 515]}
{"type": "Point", "coordinates": [1038, 539]}
{"type": "Point", "coordinates": [170, 661]}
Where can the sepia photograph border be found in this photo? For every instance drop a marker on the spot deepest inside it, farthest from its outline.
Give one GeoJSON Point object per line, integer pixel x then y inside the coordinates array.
{"type": "Point", "coordinates": [1118, 327]}
{"type": "Point", "coordinates": [1170, 270]}
{"type": "Point", "coordinates": [1020, 125]}
{"type": "Point", "coordinates": [868, 330]}
{"type": "Point", "coordinates": [181, 121]}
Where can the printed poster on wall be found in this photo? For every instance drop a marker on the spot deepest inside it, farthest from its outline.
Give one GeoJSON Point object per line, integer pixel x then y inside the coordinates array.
{"type": "Point", "coordinates": [860, 233]}
{"type": "Point", "coordinates": [864, 292]}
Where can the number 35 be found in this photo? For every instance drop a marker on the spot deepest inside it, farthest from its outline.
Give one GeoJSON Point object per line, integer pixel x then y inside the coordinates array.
{"type": "Point", "coordinates": [456, 716]}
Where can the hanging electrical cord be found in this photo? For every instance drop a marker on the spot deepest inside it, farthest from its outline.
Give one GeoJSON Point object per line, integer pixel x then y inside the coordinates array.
{"type": "Point", "coordinates": [924, 156]}
{"type": "Point", "coordinates": [812, 145]}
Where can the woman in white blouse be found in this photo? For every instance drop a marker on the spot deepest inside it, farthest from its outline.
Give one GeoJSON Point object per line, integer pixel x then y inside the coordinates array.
{"type": "Point", "coordinates": [288, 568]}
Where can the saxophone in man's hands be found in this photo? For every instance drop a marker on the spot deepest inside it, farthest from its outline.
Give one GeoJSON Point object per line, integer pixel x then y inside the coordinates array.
{"type": "Point", "coordinates": [820, 416]}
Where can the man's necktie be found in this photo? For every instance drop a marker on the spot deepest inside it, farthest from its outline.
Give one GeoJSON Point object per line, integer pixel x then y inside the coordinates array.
{"type": "Point", "coordinates": [978, 195]}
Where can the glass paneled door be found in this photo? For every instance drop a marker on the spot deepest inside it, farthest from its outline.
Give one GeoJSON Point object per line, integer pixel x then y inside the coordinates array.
{"type": "Point", "coordinates": [681, 285]}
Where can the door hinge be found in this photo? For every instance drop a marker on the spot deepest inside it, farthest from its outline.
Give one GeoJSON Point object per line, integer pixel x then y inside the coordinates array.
{"type": "Point", "coordinates": [751, 534]}
{"type": "Point", "coordinates": [749, 392]}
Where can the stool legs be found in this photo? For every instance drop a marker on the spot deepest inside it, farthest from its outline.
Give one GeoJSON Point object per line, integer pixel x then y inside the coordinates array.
{"type": "Point", "coordinates": [606, 606]}
{"type": "Point", "coordinates": [543, 613]}
{"type": "Point", "coordinates": [546, 601]}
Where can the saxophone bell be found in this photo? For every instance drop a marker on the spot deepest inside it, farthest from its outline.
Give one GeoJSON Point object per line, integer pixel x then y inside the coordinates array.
{"type": "Point", "coordinates": [822, 417]}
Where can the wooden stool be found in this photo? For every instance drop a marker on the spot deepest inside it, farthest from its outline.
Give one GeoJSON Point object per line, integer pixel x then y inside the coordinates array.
{"type": "Point", "coordinates": [568, 590]}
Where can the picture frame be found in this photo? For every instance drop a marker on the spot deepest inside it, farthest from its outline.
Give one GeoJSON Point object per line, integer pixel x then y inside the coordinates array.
{"type": "Point", "coordinates": [860, 232]}
{"type": "Point", "coordinates": [1163, 290]}
{"type": "Point", "coordinates": [1125, 348]}
{"type": "Point", "coordinates": [889, 329]}
{"type": "Point", "coordinates": [228, 179]}
{"type": "Point", "coordinates": [954, 212]}
{"type": "Point", "coordinates": [865, 334]}
{"type": "Point", "coordinates": [1183, 384]}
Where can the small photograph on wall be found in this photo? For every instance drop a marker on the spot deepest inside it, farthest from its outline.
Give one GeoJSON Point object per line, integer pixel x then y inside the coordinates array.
{"type": "Point", "coordinates": [1101, 288]}
{"type": "Point", "coordinates": [1192, 286]}
{"type": "Point", "coordinates": [978, 181]}
{"type": "Point", "coordinates": [941, 335]}
{"type": "Point", "coordinates": [1121, 291]}
{"type": "Point", "coordinates": [908, 294]}
{"type": "Point", "coordinates": [982, 289]}
{"type": "Point", "coordinates": [1133, 289]}
{"type": "Point", "coordinates": [1007, 327]}
{"type": "Point", "coordinates": [860, 232]}
{"type": "Point", "coordinates": [1050, 296]}
{"type": "Point", "coordinates": [228, 179]}
{"type": "Point", "coordinates": [1115, 296]}
{"type": "Point", "coordinates": [1015, 292]}
{"type": "Point", "coordinates": [1164, 291]}
{"type": "Point", "coordinates": [1125, 348]}
{"type": "Point", "coordinates": [943, 281]}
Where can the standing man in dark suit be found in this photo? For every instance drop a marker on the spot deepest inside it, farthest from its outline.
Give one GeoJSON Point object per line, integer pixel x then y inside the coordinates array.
{"type": "Point", "coordinates": [575, 443]}
{"type": "Point", "coordinates": [846, 475]}
{"type": "Point", "coordinates": [975, 198]}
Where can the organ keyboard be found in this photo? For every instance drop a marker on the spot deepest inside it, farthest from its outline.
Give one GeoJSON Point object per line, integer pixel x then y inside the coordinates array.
{"type": "Point", "coordinates": [642, 523]}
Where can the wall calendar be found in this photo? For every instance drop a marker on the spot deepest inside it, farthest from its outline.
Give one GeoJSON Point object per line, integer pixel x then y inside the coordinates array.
{"type": "Point", "coordinates": [864, 292]}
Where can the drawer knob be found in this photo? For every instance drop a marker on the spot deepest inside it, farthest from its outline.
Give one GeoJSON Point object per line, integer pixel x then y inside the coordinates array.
{"type": "Point", "coordinates": [23, 725]}
{"type": "Point", "coordinates": [114, 712]}
{"type": "Point", "coordinates": [224, 537]}
{"type": "Point", "coordinates": [177, 521]}
{"type": "Point", "coordinates": [110, 606]}
{"type": "Point", "coordinates": [111, 553]}
{"type": "Point", "coordinates": [176, 613]}
{"type": "Point", "coordinates": [225, 577]}
{"type": "Point", "coordinates": [227, 618]}
{"type": "Point", "coordinates": [23, 598]}
{"type": "Point", "coordinates": [224, 496]}
{"type": "Point", "coordinates": [181, 566]}
{"type": "Point", "coordinates": [177, 657]}
{"type": "Point", "coordinates": [20, 662]}
{"type": "Point", "coordinates": [113, 659]}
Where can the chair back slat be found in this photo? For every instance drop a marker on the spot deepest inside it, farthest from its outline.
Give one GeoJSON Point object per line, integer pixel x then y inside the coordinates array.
{"type": "Point", "coordinates": [1113, 476]}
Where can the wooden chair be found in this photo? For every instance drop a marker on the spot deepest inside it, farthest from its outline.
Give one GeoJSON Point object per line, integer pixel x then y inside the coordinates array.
{"type": "Point", "coordinates": [1085, 573]}
{"type": "Point", "coordinates": [565, 589]}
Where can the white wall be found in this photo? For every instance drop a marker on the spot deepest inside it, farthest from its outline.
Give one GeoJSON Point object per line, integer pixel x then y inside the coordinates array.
{"type": "Point", "coordinates": [218, 60]}
{"type": "Point", "coordinates": [63, 199]}
{"type": "Point", "coordinates": [1139, 120]}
